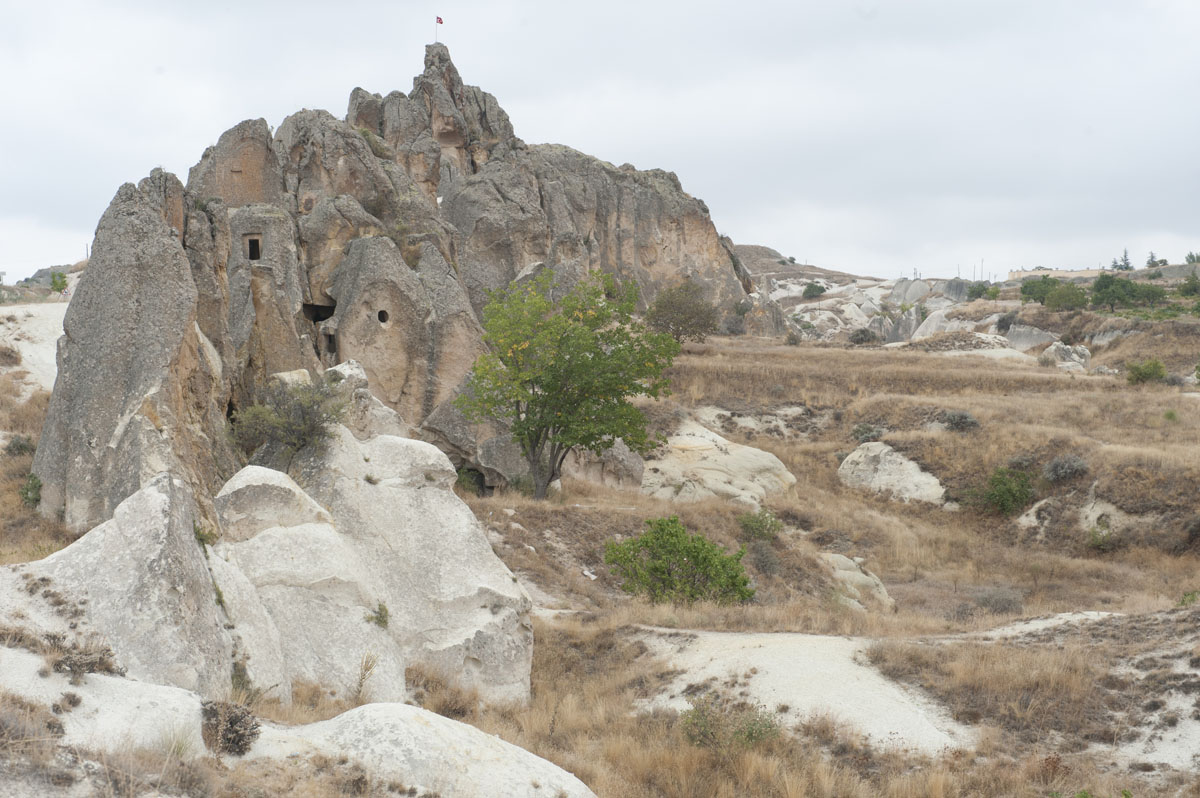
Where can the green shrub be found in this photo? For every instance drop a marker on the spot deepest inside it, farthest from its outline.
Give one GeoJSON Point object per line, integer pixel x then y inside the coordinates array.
{"type": "Point", "coordinates": [813, 290]}
{"type": "Point", "coordinates": [1151, 370]}
{"type": "Point", "coordinates": [863, 336]}
{"type": "Point", "coordinates": [19, 445]}
{"type": "Point", "coordinates": [993, 293]}
{"type": "Point", "coordinates": [959, 420]}
{"type": "Point", "coordinates": [683, 313]}
{"type": "Point", "coordinates": [58, 282]}
{"type": "Point", "coordinates": [1065, 466]}
{"type": "Point", "coordinates": [291, 417]}
{"type": "Point", "coordinates": [793, 338]}
{"type": "Point", "coordinates": [1005, 322]}
{"type": "Point", "coordinates": [471, 480]}
{"type": "Point", "coordinates": [1007, 492]}
{"type": "Point", "coordinates": [379, 617]}
{"type": "Point", "coordinates": [711, 723]}
{"type": "Point", "coordinates": [31, 491]}
{"type": "Point", "coordinates": [1190, 286]}
{"type": "Point", "coordinates": [762, 525]}
{"type": "Point", "coordinates": [977, 290]}
{"type": "Point", "coordinates": [866, 432]}
{"type": "Point", "coordinates": [665, 563]}
{"type": "Point", "coordinates": [1067, 296]}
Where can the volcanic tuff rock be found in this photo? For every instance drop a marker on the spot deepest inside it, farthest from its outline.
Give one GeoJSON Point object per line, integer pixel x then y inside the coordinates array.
{"type": "Point", "coordinates": [374, 239]}
{"type": "Point", "coordinates": [878, 467]}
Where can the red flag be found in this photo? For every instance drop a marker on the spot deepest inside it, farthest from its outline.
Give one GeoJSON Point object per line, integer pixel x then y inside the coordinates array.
{"type": "Point", "coordinates": [439, 21]}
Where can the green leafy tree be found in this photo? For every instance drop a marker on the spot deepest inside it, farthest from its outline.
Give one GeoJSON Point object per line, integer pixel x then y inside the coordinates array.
{"type": "Point", "coordinates": [1067, 296]}
{"type": "Point", "coordinates": [665, 563]}
{"type": "Point", "coordinates": [561, 373]}
{"type": "Point", "coordinates": [1190, 285]}
{"type": "Point", "coordinates": [1192, 257]}
{"type": "Point", "coordinates": [1112, 291]}
{"type": "Point", "coordinates": [1152, 370]}
{"type": "Point", "coordinates": [1124, 264]}
{"type": "Point", "coordinates": [813, 290]}
{"type": "Point", "coordinates": [1150, 294]}
{"type": "Point", "coordinates": [58, 282]}
{"type": "Point", "coordinates": [977, 290]}
{"type": "Point", "coordinates": [683, 313]}
{"type": "Point", "coordinates": [993, 292]}
{"type": "Point", "coordinates": [1008, 491]}
{"type": "Point", "coordinates": [1037, 289]}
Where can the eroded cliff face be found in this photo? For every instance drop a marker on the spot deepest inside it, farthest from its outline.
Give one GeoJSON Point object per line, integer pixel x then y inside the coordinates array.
{"type": "Point", "coordinates": [376, 239]}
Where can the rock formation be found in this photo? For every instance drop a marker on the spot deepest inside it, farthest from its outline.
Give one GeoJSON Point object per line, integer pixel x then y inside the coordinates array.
{"type": "Point", "coordinates": [878, 467]}
{"type": "Point", "coordinates": [375, 239]}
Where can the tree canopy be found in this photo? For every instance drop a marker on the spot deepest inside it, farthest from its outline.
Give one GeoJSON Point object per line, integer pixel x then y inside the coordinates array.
{"type": "Point", "coordinates": [561, 373]}
{"type": "Point", "coordinates": [682, 312]}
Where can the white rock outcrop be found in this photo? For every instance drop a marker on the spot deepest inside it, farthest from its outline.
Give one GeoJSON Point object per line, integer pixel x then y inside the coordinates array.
{"type": "Point", "coordinates": [400, 537]}
{"type": "Point", "coordinates": [859, 586]}
{"type": "Point", "coordinates": [878, 467]}
{"type": "Point", "coordinates": [138, 582]}
{"type": "Point", "coordinates": [392, 742]}
{"type": "Point", "coordinates": [700, 464]}
{"type": "Point", "coordinates": [417, 747]}
{"type": "Point", "coordinates": [1068, 358]}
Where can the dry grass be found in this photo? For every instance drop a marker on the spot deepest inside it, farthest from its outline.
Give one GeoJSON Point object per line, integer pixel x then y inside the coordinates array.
{"type": "Point", "coordinates": [24, 534]}
{"type": "Point", "coordinates": [589, 675]}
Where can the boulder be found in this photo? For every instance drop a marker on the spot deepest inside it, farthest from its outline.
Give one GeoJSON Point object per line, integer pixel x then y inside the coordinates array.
{"type": "Point", "coordinates": [1068, 358]}
{"type": "Point", "coordinates": [366, 416]}
{"type": "Point", "coordinates": [699, 464]}
{"type": "Point", "coordinates": [392, 742]}
{"type": "Point", "coordinates": [140, 584]}
{"type": "Point", "coordinates": [1023, 337]}
{"type": "Point", "coordinates": [857, 584]}
{"type": "Point", "coordinates": [401, 538]}
{"type": "Point", "coordinates": [418, 748]}
{"type": "Point", "coordinates": [617, 467]}
{"type": "Point", "coordinates": [878, 467]}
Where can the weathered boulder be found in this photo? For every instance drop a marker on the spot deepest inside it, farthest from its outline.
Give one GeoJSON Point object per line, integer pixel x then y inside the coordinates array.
{"type": "Point", "coordinates": [418, 748]}
{"type": "Point", "coordinates": [393, 742]}
{"type": "Point", "coordinates": [366, 416]}
{"type": "Point", "coordinates": [699, 464]}
{"type": "Point", "coordinates": [1068, 358]}
{"type": "Point", "coordinates": [878, 467]}
{"type": "Point", "coordinates": [404, 540]}
{"type": "Point", "coordinates": [1023, 337]}
{"type": "Point", "coordinates": [241, 169]}
{"type": "Point", "coordinates": [138, 582]}
{"type": "Point", "coordinates": [616, 467]}
{"type": "Point", "coordinates": [859, 586]}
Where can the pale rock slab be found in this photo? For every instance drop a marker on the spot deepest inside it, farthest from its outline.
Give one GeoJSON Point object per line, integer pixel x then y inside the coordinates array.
{"type": "Point", "coordinates": [700, 464]}
{"type": "Point", "coordinates": [857, 583]}
{"type": "Point", "coordinates": [419, 748]}
{"type": "Point", "coordinates": [878, 467]}
{"type": "Point", "coordinates": [453, 604]}
{"type": "Point", "coordinates": [140, 583]}
{"type": "Point", "coordinates": [257, 498]}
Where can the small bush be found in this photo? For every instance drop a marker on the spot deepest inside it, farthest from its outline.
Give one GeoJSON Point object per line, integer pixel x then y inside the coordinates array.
{"type": "Point", "coordinates": [1000, 601]}
{"type": "Point", "coordinates": [959, 420]}
{"type": "Point", "coordinates": [470, 480]}
{"type": "Point", "coordinates": [813, 290]}
{"type": "Point", "coordinates": [711, 723]}
{"type": "Point", "coordinates": [380, 616]}
{"type": "Point", "coordinates": [58, 282]}
{"type": "Point", "coordinates": [683, 313]}
{"type": "Point", "coordinates": [1065, 466]}
{"type": "Point", "coordinates": [866, 432]}
{"type": "Point", "coordinates": [863, 336]}
{"type": "Point", "coordinates": [291, 417]}
{"type": "Point", "coordinates": [31, 491]}
{"type": "Point", "coordinates": [762, 525]}
{"type": "Point", "coordinates": [1005, 322]}
{"type": "Point", "coordinates": [228, 728]}
{"type": "Point", "coordinates": [976, 290]}
{"type": "Point", "coordinates": [793, 338]}
{"type": "Point", "coordinates": [1151, 370]}
{"type": "Point", "coordinates": [1007, 492]}
{"type": "Point", "coordinates": [665, 563]}
{"type": "Point", "coordinates": [763, 557]}
{"type": "Point", "coordinates": [19, 445]}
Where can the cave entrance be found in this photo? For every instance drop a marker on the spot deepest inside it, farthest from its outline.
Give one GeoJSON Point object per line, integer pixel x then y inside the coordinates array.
{"type": "Point", "coordinates": [331, 344]}
{"type": "Point", "coordinates": [317, 313]}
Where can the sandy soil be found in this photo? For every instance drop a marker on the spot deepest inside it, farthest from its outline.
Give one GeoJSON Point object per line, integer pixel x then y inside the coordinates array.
{"type": "Point", "coordinates": [811, 675]}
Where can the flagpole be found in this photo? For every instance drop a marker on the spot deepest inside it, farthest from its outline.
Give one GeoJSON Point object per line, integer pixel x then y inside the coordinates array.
{"type": "Point", "coordinates": [435, 33]}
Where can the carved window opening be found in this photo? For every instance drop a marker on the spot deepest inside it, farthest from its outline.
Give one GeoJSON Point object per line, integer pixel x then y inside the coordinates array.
{"type": "Point", "coordinates": [254, 247]}
{"type": "Point", "coordinates": [382, 316]}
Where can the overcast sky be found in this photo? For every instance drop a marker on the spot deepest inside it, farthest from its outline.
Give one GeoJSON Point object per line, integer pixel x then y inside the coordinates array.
{"type": "Point", "coordinates": [872, 137]}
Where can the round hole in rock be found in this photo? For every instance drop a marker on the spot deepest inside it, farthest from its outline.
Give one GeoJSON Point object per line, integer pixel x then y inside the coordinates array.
{"type": "Point", "coordinates": [383, 316]}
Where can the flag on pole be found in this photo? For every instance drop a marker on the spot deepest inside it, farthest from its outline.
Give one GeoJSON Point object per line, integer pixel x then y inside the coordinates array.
{"type": "Point", "coordinates": [439, 21]}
